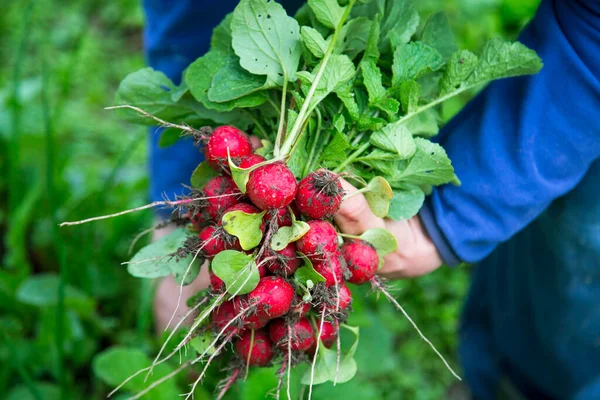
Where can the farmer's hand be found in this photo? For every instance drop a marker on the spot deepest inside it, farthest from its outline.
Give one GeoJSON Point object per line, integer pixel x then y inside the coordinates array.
{"type": "Point", "coordinates": [416, 254]}
{"type": "Point", "coordinates": [167, 293]}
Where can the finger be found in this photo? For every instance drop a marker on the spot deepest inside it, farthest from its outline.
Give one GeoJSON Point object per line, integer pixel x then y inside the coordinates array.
{"type": "Point", "coordinates": [355, 216]}
{"type": "Point", "coordinates": [256, 143]}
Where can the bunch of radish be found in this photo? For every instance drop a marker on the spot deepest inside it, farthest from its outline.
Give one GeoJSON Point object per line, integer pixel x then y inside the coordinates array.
{"type": "Point", "coordinates": [281, 317]}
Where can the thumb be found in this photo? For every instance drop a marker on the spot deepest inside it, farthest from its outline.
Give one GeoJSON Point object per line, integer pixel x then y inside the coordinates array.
{"type": "Point", "coordinates": [355, 216]}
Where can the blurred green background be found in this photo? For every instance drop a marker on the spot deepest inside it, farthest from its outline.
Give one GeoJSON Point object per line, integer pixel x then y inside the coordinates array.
{"type": "Point", "coordinates": [65, 299]}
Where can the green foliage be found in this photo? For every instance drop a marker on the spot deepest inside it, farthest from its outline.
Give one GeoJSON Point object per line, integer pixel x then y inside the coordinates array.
{"type": "Point", "coordinates": [238, 270]}
{"type": "Point", "coordinates": [246, 227]}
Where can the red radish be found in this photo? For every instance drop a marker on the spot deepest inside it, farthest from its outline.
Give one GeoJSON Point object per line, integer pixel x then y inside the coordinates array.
{"type": "Point", "coordinates": [331, 269]}
{"type": "Point", "coordinates": [220, 192]}
{"type": "Point", "coordinates": [222, 315]}
{"type": "Point", "coordinates": [246, 208]}
{"type": "Point", "coordinates": [273, 296]}
{"type": "Point", "coordinates": [328, 334]}
{"type": "Point", "coordinates": [319, 194]}
{"type": "Point", "coordinates": [303, 336]}
{"type": "Point", "coordinates": [251, 160]}
{"type": "Point", "coordinates": [223, 138]}
{"type": "Point", "coordinates": [300, 308]}
{"type": "Point", "coordinates": [320, 240]}
{"type": "Point", "coordinates": [262, 348]}
{"type": "Point", "coordinates": [285, 261]}
{"type": "Point", "coordinates": [197, 220]}
{"type": "Point", "coordinates": [271, 186]}
{"type": "Point", "coordinates": [362, 260]}
{"type": "Point", "coordinates": [216, 284]}
{"type": "Point", "coordinates": [251, 319]}
{"type": "Point", "coordinates": [339, 299]}
{"type": "Point", "coordinates": [215, 240]}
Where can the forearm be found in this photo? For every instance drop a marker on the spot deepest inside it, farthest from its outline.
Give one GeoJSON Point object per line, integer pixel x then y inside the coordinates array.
{"type": "Point", "coordinates": [522, 142]}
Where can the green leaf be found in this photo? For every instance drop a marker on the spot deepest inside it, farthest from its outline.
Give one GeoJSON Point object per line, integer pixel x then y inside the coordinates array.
{"type": "Point", "coordinates": [41, 290]}
{"type": "Point", "coordinates": [267, 41]}
{"type": "Point", "coordinates": [413, 60]}
{"type": "Point", "coordinates": [339, 70]}
{"type": "Point", "coordinates": [297, 161]}
{"type": "Point", "coordinates": [372, 49]}
{"type": "Point", "coordinates": [379, 155]}
{"type": "Point", "coordinates": [399, 21]}
{"type": "Point", "coordinates": [346, 95]}
{"type": "Point", "coordinates": [246, 227]}
{"type": "Point", "coordinates": [336, 149]}
{"type": "Point", "coordinates": [287, 234]}
{"type": "Point", "coordinates": [410, 91]}
{"type": "Point", "coordinates": [459, 67]}
{"type": "Point", "coordinates": [437, 34]}
{"type": "Point", "coordinates": [372, 79]}
{"type": "Point", "coordinates": [423, 124]}
{"type": "Point", "coordinates": [326, 367]}
{"type": "Point", "coordinates": [238, 270]}
{"type": "Point", "coordinates": [157, 259]}
{"type": "Point", "coordinates": [232, 82]}
{"type": "Point", "coordinates": [328, 12]}
{"type": "Point", "coordinates": [353, 37]}
{"type": "Point", "coordinates": [396, 139]}
{"type": "Point", "coordinates": [383, 241]}
{"type": "Point", "coordinates": [502, 59]}
{"type": "Point", "coordinates": [202, 174]}
{"type": "Point", "coordinates": [154, 93]}
{"type": "Point", "coordinates": [314, 41]}
{"type": "Point", "coordinates": [378, 194]}
{"type": "Point", "coordinates": [47, 391]}
{"type": "Point", "coordinates": [202, 342]}
{"type": "Point", "coordinates": [307, 273]}
{"type": "Point", "coordinates": [169, 137]}
{"type": "Point", "coordinates": [240, 175]}
{"type": "Point", "coordinates": [117, 363]}
{"type": "Point", "coordinates": [430, 165]}
{"type": "Point", "coordinates": [406, 203]}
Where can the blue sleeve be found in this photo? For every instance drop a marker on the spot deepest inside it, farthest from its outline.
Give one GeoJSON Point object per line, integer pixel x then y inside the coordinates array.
{"type": "Point", "coordinates": [522, 142]}
{"type": "Point", "coordinates": [176, 33]}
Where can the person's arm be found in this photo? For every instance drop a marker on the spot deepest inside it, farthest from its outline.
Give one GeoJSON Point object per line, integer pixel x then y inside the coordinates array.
{"type": "Point", "coordinates": [517, 146]}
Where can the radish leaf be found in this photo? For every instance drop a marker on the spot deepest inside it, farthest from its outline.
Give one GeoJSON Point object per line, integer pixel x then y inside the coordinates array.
{"type": "Point", "coordinates": [238, 270]}
{"type": "Point", "coordinates": [266, 40]}
{"type": "Point", "coordinates": [246, 227]}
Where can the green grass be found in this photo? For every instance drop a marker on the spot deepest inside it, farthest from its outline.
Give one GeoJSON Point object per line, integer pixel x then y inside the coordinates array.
{"type": "Point", "coordinates": [64, 297]}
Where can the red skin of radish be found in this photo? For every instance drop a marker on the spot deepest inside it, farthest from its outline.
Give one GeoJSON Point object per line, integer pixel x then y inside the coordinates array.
{"type": "Point", "coordinates": [362, 260]}
{"type": "Point", "coordinates": [218, 192]}
{"type": "Point", "coordinates": [300, 308]}
{"type": "Point", "coordinates": [321, 239]}
{"type": "Point", "coordinates": [223, 138]}
{"type": "Point", "coordinates": [222, 315]}
{"type": "Point", "coordinates": [328, 334]}
{"type": "Point", "coordinates": [319, 194]}
{"type": "Point", "coordinates": [284, 218]}
{"type": "Point", "coordinates": [303, 336]}
{"type": "Point", "coordinates": [286, 263]}
{"type": "Point", "coordinates": [273, 296]}
{"type": "Point", "coordinates": [213, 241]}
{"type": "Point", "coordinates": [251, 160]}
{"type": "Point", "coordinates": [331, 270]}
{"type": "Point", "coordinates": [262, 348]}
{"type": "Point", "coordinates": [271, 186]}
{"type": "Point", "coordinates": [248, 209]}
{"type": "Point", "coordinates": [252, 321]}
{"type": "Point", "coordinates": [342, 298]}
{"type": "Point", "coordinates": [216, 284]}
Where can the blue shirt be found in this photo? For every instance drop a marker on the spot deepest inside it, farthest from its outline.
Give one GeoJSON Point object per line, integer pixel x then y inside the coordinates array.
{"type": "Point", "coordinates": [527, 152]}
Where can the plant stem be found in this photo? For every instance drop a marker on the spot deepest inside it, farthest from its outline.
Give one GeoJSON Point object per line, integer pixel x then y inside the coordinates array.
{"type": "Point", "coordinates": [304, 111]}
{"type": "Point", "coordinates": [280, 130]}
{"type": "Point", "coordinates": [352, 157]}
{"type": "Point", "coordinates": [311, 156]}
{"type": "Point", "coordinates": [261, 129]}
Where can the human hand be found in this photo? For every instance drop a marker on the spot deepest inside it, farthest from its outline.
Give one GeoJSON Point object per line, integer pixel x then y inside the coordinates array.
{"type": "Point", "coordinates": [416, 254]}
